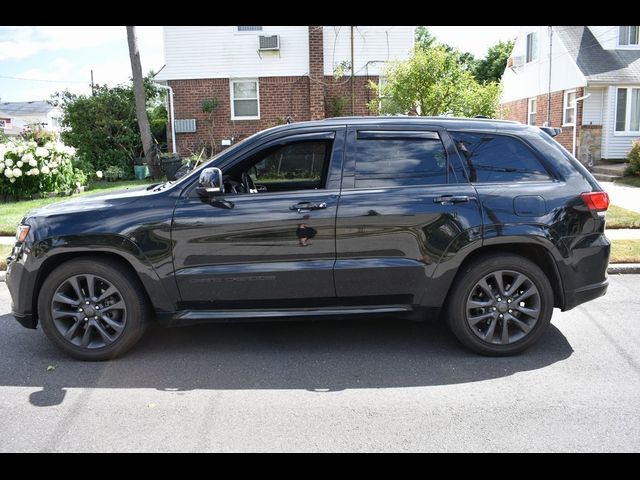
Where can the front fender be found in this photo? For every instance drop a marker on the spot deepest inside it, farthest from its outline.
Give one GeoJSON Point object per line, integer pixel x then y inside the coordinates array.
{"type": "Point", "coordinates": [41, 255]}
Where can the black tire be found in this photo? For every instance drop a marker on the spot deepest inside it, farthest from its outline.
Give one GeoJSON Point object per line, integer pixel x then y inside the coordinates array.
{"type": "Point", "coordinates": [460, 314]}
{"type": "Point", "coordinates": [133, 315]}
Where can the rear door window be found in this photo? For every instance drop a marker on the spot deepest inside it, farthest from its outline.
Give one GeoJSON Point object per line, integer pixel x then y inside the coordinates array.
{"type": "Point", "coordinates": [492, 158]}
{"type": "Point", "coordinates": [398, 158]}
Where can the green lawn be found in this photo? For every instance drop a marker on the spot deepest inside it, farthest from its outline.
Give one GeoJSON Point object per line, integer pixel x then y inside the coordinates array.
{"type": "Point", "coordinates": [618, 217]}
{"type": "Point", "coordinates": [633, 181]}
{"type": "Point", "coordinates": [4, 253]}
{"type": "Point", "coordinates": [12, 212]}
{"type": "Point", "coordinates": [625, 251]}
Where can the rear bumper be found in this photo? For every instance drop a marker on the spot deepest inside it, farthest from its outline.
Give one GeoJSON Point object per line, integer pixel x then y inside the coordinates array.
{"type": "Point", "coordinates": [573, 298]}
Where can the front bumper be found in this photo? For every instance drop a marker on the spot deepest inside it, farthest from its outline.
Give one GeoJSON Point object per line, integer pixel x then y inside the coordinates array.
{"type": "Point", "coordinates": [21, 281]}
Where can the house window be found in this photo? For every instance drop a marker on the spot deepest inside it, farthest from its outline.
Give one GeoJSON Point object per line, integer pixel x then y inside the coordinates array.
{"type": "Point", "coordinates": [532, 47]}
{"type": "Point", "coordinates": [533, 106]}
{"type": "Point", "coordinates": [249, 29]}
{"type": "Point", "coordinates": [628, 110]}
{"type": "Point", "coordinates": [629, 36]}
{"type": "Point", "coordinates": [245, 100]}
{"type": "Point", "coordinates": [569, 115]}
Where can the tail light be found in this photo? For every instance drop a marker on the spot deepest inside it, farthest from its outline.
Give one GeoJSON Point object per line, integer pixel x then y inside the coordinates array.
{"type": "Point", "coordinates": [596, 201]}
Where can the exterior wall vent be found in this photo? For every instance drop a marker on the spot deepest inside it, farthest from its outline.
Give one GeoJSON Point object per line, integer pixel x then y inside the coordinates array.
{"type": "Point", "coordinates": [185, 126]}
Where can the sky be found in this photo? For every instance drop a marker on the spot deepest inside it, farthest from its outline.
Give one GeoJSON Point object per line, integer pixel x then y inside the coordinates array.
{"type": "Point", "coordinates": [43, 60]}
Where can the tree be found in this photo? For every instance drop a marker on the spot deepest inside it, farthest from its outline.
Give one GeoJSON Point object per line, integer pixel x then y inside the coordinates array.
{"type": "Point", "coordinates": [424, 37]}
{"type": "Point", "coordinates": [150, 152]}
{"type": "Point", "coordinates": [491, 68]}
{"type": "Point", "coordinates": [103, 126]}
{"type": "Point", "coordinates": [433, 82]}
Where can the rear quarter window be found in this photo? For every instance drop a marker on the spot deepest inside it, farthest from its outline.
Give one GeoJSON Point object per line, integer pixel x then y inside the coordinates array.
{"type": "Point", "coordinates": [495, 158]}
{"type": "Point", "coordinates": [386, 159]}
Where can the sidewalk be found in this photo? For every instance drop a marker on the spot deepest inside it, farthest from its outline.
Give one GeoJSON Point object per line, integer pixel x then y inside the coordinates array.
{"type": "Point", "coordinates": [623, 195]}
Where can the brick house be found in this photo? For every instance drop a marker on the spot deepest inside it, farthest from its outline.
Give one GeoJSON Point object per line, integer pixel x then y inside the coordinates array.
{"type": "Point", "coordinates": [594, 84]}
{"type": "Point", "coordinates": [260, 76]}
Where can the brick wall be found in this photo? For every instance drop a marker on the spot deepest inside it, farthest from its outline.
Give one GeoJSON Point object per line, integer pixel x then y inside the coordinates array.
{"type": "Point", "coordinates": [341, 88]}
{"type": "Point", "coordinates": [518, 109]}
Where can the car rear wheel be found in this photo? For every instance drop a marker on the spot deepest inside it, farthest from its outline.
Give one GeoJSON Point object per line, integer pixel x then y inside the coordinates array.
{"type": "Point", "coordinates": [500, 305]}
{"type": "Point", "coordinates": [91, 309]}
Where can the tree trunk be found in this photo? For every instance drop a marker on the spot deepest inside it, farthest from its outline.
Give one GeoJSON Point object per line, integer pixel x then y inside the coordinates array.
{"type": "Point", "coordinates": [141, 104]}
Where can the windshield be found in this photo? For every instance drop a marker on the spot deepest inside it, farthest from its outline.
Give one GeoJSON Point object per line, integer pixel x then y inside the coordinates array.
{"type": "Point", "coordinates": [208, 162]}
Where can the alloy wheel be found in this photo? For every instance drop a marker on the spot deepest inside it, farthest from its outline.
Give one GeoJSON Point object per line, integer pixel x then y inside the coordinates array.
{"type": "Point", "coordinates": [503, 307]}
{"type": "Point", "coordinates": [88, 311]}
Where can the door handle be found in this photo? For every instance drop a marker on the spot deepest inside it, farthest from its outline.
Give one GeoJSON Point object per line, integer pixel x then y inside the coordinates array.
{"type": "Point", "coordinates": [451, 199]}
{"type": "Point", "coordinates": [306, 206]}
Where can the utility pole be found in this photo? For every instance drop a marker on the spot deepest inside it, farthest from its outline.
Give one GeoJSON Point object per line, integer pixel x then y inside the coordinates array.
{"type": "Point", "coordinates": [549, 87]}
{"type": "Point", "coordinates": [93, 92]}
{"type": "Point", "coordinates": [353, 86]}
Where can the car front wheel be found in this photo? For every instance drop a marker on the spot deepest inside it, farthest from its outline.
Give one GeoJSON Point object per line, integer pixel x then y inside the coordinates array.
{"type": "Point", "coordinates": [91, 309]}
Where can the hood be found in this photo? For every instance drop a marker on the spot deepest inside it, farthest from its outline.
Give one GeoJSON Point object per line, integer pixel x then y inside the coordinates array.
{"type": "Point", "coordinates": [95, 201]}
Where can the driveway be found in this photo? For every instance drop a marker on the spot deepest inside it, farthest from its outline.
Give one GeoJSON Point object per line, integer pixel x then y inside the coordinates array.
{"type": "Point", "coordinates": [332, 386]}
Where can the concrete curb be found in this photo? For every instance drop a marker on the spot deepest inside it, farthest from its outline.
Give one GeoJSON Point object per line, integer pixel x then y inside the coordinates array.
{"type": "Point", "coordinates": [617, 268]}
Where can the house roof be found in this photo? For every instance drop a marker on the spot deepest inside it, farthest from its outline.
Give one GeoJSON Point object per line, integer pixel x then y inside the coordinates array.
{"type": "Point", "coordinates": [26, 108]}
{"type": "Point", "coordinates": [597, 64]}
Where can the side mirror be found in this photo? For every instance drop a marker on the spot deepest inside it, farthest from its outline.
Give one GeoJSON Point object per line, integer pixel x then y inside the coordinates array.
{"type": "Point", "coordinates": [210, 182]}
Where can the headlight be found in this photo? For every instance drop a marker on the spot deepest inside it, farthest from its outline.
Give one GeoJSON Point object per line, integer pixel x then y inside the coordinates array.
{"type": "Point", "coordinates": [22, 232]}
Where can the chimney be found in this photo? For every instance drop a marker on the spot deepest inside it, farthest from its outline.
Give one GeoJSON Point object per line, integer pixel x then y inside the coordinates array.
{"type": "Point", "coordinates": [316, 73]}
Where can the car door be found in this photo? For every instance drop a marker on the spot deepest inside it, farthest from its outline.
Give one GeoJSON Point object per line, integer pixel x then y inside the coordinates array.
{"type": "Point", "coordinates": [273, 248]}
{"type": "Point", "coordinates": [405, 208]}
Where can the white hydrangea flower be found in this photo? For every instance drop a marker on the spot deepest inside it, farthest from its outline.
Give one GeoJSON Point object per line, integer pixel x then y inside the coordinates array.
{"type": "Point", "coordinates": [33, 162]}
{"type": "Point", "coordinates": [48, 145]}
{"type": "Point", "coordinates": [1, 166]}
{"type": "Point", "coordinates": [8, 173]}
{"type": "Point", "coordinates": [99, 174]}
{"type": "Point", "coordinates": [8, 162]}
{"type": "Point", "coordinates": [54, 171]}
{"type": "Point", "coordinates": [19, 163]}
{"type": "Point", "coordinates": [17, 172]}
{"type": "Point", "coordinates": [42, 152]}
{"type": "Point", "coordinates": [27, 157]}
{"type": "Point", "coordinates": [19, 150]}
{"type": "Point", "coordinates": [12, 180]}
{"type": "Point", "coordinates": [45, 169]}
{"type": "Point", "coordinates": [34, 171]}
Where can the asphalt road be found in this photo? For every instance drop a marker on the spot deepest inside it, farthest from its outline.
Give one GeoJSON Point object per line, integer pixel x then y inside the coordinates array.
{"type": "Point", "coordinates": [332, 386]}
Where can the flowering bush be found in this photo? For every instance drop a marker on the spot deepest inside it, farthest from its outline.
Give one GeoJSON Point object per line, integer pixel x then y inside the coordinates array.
{"type": "Point", "coordinates": [26, 168]}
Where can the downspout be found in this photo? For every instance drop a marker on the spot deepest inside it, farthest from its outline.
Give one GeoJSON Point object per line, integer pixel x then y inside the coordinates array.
{"type": "Point", "coordinates": [171, 115]}
{"type": "Point", "coordinates": [575, 123]}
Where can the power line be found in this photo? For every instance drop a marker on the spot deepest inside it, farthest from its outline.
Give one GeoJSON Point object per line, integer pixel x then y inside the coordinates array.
{"type": "Point", "coordinates": [40, 80]}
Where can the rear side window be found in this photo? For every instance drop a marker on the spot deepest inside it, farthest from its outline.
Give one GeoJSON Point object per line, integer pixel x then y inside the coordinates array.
{"type": "Point", "coordinates": [497, 158]}
{"type": "Point", "coordinates": [387, 159]}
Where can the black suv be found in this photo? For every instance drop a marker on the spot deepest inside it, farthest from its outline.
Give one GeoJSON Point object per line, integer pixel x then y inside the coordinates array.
{"type": "Point", "coordinates": [490, 223]}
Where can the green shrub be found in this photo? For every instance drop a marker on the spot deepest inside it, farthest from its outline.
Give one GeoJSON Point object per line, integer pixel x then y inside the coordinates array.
{"type": "Point", "coordinates": [113, 173]}
{"type": "Point", "coordinates": [27, 168]}
{"type": "Point", "coordinates": [634, 159]}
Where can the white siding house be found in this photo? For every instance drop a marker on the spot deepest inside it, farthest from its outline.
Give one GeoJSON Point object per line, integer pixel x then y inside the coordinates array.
{"type": "Point", "coordinates": [599, 66]}
{"type": "Point", "coordinates": [36, 112]}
